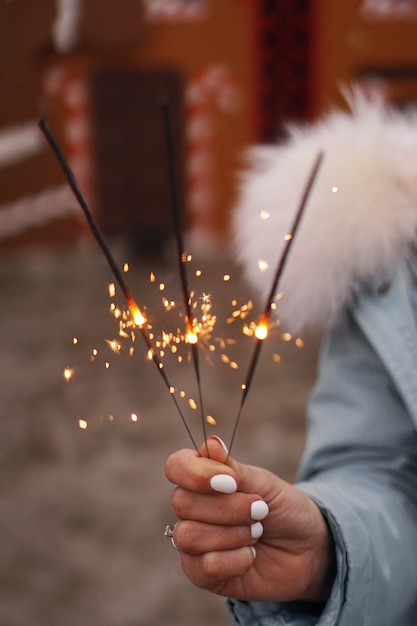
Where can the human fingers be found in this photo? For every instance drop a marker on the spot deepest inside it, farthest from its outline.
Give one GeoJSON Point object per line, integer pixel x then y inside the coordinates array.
{"type": "Point", "coordinates": [213, 570]}
{"type": "Point", "coordinates": [196, 538]}
{"type": "Point", "coordinates": [198, 473]}
{"type": "Point", "coordinates": [222, 509]}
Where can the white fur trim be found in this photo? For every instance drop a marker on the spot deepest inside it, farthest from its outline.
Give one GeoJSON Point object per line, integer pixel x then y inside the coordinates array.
{"type": "Point", "coordinates": [346, 236]}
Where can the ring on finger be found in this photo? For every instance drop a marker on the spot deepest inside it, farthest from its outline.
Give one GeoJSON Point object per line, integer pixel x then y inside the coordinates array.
{"type": "Point", "coordinates": [169, 532]}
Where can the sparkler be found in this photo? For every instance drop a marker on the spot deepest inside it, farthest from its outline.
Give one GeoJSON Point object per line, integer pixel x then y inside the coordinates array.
{"type": "Point", "coordinates": [137, 315]}
{"type": "Point", "coordinates": [262, 328]}
{"type": "Point", "coordinates": [191, 328]}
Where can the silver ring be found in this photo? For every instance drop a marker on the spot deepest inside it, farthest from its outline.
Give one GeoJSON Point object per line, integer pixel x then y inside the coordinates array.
{"type": "Point", "coordinates": [169, 532]}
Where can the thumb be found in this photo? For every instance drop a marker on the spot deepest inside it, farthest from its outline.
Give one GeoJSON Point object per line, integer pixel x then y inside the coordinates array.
{"type": "Point", "coordinates": [250, 479]}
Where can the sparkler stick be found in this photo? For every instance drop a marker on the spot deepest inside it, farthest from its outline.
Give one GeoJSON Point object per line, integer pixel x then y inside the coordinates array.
{"type": "Point", "coordinates": [262, 328]}
{"type": "Point", "coordinates": [134, 309]}
{"type": "Point", "coordinates": [191, 334]}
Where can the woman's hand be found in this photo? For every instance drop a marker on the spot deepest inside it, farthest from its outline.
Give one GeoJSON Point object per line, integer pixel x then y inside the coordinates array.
{"type": "Point", "coordinates": [245, 533]}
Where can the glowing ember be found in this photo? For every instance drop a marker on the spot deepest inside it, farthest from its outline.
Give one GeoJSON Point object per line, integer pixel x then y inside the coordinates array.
{"type": "Point", "coordinates": [133, 417]}
{"type": "Point", "coordinates": [74, 340]}
{"type": "Point", "coordinates": [126, 267]}
{"type": "Point", "coordinates": [114, 345]}
{"type": "Point", "coordinates": [192, 404]}
{"type": "Point", "coordinates": [210, 420]}
{"type": "Point", "coordinates": [83, 424]}
{"type": "Point", "coordinates": [111, 290]}
{"type": "Point", "coordinates": [191, 338]}
{"type": "Point", "coordinates": [68, 373]}
{"type": "Point", "coordinates": [288, 237]}
{"type": "Point", "coordinates": [137, 316]}
{"type": "Point", "coordinates": [226, 278]}
{"type": "Point", "coordinates": [261, 331]}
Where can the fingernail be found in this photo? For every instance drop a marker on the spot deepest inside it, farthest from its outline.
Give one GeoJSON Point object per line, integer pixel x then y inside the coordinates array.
{"type": "Point", "coordinates": [224, 483]}
{"type": "Point", "coordinates": [259, 510]}
{"type": "Point", "coordinates": [253, 551]}
{"type": "Point", "coordinates": [256, 530]}
{"type": "Point", "coordinates": [221, 442]}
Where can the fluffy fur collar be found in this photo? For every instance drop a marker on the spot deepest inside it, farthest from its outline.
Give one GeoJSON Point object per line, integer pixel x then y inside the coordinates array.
{"type": "Point", "coordinates": [360, 218]}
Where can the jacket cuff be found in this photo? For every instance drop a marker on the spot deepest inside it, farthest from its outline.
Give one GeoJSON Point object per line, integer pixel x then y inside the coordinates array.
{"type": "Point", "coordinates": [351, 556]}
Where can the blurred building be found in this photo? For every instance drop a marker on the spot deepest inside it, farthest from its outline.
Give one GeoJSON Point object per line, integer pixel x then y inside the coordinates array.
{"type": "Point", "coordinates": [232, 70]}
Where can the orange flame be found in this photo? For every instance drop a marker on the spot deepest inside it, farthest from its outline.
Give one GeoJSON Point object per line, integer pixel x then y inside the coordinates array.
{"type": "Point", "coordinates": [191, 334]}
{"type": "Point", "coordinates": [262, 329]}
{"type": "Point", "coordinates": [137, 315]}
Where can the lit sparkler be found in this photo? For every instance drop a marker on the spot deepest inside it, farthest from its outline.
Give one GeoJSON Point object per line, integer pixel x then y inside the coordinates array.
{"type": "Point", "coordinates": [262, 328]}
{"type": "Point", "coordinates": [195, 330]}
{"type": "Point", "coordinates": [137, 315]}
{"type": "Point", "coordinates": [191, 335]}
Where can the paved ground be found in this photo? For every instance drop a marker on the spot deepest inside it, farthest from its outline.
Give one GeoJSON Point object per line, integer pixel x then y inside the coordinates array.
{"type": "Point", "coordinates": [82, 512]}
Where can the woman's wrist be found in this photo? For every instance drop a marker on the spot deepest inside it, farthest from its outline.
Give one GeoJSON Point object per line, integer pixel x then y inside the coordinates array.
{"type": "Point", "coordinates": [324, 566]}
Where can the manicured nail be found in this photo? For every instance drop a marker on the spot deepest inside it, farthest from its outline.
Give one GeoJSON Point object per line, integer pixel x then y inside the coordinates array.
{"type": "Point", "coordinates": [259, 510]}
{"type": "Point", "coordinates": [256, 530]}
{"type": "Point", "coordinates": [221, 442]}
{"type": "Point", "coordinates": [223, 483]}
{"type": "Point", "coordinates": [253, 551]}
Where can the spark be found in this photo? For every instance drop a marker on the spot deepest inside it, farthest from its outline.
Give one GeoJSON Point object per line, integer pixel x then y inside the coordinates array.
{"type": "Point", "coordinates": [206, 298]}
{"type": "Point", "coordinates": [114, 345]}
{"type": "Point", "coordinates": [265, 215]}
{"type": "Point", "coordinates": [137, 315]}
{"type": "Point", "coordinates": [83, 424]}
{"type": "Point", "coordinates": [133, 417]}
{"type": "Point", "coordinates": [262, 329]}
{"type": "Point", "coordinates": [263, 265]}
{"type": "Point", "coordinates": [68, 373]}
{"type": "Point", "coordinates": [335, 189]}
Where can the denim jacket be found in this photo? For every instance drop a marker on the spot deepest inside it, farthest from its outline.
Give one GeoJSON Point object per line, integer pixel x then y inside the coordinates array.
{"type": "Point", "coordinates": [360, 464]}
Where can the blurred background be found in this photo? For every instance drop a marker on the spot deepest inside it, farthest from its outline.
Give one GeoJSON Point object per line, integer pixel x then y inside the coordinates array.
{"type": "Point", "coordinates": [83, 498]}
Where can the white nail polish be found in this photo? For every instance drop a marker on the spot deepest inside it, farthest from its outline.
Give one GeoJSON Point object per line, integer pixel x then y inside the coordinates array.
{"type": "Point", "coordinates": [259, 510]}
{"type": "Point", "coordinates": [221, 442]}
{"type": "Point", "coordinates": [256, 530]}
{"type": "Point", "coordinates": [253, 551]}
{"type": "Point", "coordinates": [223, 483]}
